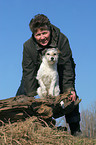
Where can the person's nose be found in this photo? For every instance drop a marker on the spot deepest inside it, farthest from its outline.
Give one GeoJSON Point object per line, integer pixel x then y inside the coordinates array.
{"type": "Point", "coordinates": [42, 36]}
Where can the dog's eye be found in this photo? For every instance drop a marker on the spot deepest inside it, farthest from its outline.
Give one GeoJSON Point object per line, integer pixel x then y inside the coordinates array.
{"type": "Point", "coordinates": [55, 54]}
{"type": "Point", "coordinates": [48, 54]}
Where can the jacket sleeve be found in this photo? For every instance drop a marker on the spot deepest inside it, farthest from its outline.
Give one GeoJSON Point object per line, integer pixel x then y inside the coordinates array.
{"type": "Point", "coordinates": [66, 65]}
{"type": "Point", "coordinates": [29, 72]}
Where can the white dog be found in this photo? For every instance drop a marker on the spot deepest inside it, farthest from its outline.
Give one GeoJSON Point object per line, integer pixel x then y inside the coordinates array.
{"type": "Point", "coordinates": [47, 74]}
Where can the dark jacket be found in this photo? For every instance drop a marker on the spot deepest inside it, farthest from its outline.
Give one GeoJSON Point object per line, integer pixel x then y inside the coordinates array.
{"type": "Point", "coordinates": [32, 60]}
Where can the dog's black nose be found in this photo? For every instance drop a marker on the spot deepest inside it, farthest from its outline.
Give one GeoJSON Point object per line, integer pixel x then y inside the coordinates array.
{"type": "Point", "coordinates": [52, 58]}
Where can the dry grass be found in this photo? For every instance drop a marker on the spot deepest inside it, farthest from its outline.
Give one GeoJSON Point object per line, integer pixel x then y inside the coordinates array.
{"type": "Point", "coordinates": [30, 132]}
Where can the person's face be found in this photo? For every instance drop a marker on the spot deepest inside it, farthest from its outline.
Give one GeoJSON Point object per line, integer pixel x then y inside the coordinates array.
{"type": "Point", "coordinates": [42, 37]}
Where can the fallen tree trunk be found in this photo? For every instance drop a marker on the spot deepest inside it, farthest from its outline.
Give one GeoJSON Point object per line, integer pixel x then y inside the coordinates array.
{"type": "Point", "coordinates": [21, 107]}
{"type": "Point", "coordinates": [15, 108]}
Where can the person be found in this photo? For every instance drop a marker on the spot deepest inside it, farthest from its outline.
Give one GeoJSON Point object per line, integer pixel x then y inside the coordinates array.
{"type": "Point", "coordinates": [46, 35]}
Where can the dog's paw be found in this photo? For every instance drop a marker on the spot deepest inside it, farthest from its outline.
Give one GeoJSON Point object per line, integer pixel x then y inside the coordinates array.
{"type": "Point", "coordinates": [44, 93]}
{"type": "Point", "coordinates": [51, 92]}
{"type": "Point", "coordinates": [56, 91]}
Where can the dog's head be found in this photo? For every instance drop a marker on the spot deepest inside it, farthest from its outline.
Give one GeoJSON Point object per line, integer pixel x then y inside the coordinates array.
{"type": "Point", "coordinates": [51, 55]}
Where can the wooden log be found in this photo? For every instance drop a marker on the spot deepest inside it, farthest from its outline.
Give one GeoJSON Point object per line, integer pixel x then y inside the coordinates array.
{"type": "Point", "coordinates": [21, 107]}
{"type": "Point", "coordinates": [15, 108]}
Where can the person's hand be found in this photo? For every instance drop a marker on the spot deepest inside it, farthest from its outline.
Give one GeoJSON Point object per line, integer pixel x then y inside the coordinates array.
{"type": "Point", "coordinates": [72, 96]}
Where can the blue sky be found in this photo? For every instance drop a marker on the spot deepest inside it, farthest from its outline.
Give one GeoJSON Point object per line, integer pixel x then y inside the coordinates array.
{"type": "Point", "coordinates": [75, 18]}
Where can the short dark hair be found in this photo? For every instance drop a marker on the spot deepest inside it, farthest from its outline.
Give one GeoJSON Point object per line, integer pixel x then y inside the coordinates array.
{"type": "Point", "coordinates": [39, 21]}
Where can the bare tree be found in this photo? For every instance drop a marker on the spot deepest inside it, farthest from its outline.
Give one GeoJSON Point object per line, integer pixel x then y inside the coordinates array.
{"type": "Point", "coordinates": [88, 121]}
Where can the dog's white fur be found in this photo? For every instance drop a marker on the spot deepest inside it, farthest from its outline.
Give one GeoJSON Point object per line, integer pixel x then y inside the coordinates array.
{"type": "Point", "coordinates": [47, 74]}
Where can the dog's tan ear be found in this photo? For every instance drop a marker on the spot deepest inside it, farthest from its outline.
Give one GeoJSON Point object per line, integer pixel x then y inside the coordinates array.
{"type": "Point", "coordinates": [44, 51]}
{"type": "Point", "coordinates": [58, 51]}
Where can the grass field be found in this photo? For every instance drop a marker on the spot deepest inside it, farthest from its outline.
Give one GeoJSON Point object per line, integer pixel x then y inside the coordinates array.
{"type": "Point", "coordinates": [31, 132]}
